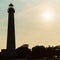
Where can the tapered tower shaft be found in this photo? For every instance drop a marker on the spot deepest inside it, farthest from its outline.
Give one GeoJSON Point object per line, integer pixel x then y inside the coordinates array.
{"type": "Point", "coordinates": [11, 30]}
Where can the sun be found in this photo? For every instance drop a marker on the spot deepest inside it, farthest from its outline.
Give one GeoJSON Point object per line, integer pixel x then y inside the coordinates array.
{"type": "Point", "coordinates": [47, 15]}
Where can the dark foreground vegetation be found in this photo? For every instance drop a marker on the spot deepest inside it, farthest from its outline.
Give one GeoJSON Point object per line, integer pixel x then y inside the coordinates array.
{"type": "Point", "coordinates": [37, 52]}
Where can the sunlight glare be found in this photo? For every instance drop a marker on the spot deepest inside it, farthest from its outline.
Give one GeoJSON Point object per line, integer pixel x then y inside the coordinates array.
{"type": "Point", "coordinates": [47, 15]}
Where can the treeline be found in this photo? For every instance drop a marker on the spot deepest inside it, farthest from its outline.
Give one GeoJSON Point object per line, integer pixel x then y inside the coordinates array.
{"type": "Point", "coordinates": [38, 52]}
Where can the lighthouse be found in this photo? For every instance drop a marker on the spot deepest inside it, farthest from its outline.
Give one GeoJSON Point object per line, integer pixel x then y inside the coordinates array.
{"type": "Point", "coordinates": [11, 31]}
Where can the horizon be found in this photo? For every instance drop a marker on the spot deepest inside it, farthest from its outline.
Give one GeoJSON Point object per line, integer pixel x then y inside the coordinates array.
{"type": "Point", "coordinates": [36, 22]}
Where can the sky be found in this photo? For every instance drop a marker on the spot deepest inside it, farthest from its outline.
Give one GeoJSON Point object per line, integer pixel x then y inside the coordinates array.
{"type": "Point", "coordinates": [37, 22]}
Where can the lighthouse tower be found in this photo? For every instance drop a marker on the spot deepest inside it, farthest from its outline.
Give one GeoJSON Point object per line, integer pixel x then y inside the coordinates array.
{"type": "Point", "coordinates": [11, 31]}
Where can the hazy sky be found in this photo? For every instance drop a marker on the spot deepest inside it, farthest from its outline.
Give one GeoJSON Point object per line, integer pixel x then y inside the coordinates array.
{"type": "Point", "coordinates": [32, 26]}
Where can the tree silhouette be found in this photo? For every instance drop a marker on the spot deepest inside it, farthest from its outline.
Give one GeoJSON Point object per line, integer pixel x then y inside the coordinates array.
{"type": "Point", "coordinates": [38, 52]}
{"type": "Point", "coordinates": [23, 52]}
{"type": "Point", "coordinates": [50, 52]}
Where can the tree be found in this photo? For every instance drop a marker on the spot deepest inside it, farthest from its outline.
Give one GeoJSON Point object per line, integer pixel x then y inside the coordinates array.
{"type": "Point", "coordinates": [23, 52]}
{"type": "Point", "coordinates": [38, 52]}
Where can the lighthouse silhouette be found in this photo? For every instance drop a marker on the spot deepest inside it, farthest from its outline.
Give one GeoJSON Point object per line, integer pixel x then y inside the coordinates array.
{"type": "Point", "coordinates": [11, 31]}
{"type": "Point", "coordinates": [10, 48]}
